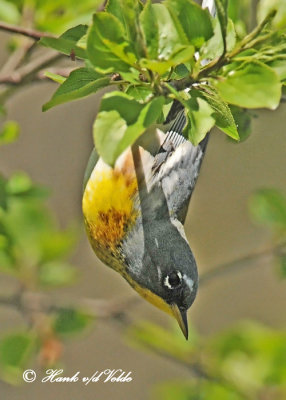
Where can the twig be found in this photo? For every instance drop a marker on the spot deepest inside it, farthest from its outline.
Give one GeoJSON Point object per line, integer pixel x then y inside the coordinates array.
{"type": "Point", "coordinates": [237, 264]}
{"type": "Point", "coordinates": [31, 33]}
{"type": "Point", "coordinates": [109, 308]}
{"type": "Point", "coordinates": [15, 59]}
{"type": "Point", "coordinates": [23, 74]}
{"type": "Point", "coordinates": [34, 301]}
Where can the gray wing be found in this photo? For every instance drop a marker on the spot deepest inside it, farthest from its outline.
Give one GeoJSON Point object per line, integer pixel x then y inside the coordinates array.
{"type": "Point", "coordinates": [178, 177]}
{"type": "Point", "coordinates": [94, 157]}
{"type": "Point", "coordinates": [177, 164]}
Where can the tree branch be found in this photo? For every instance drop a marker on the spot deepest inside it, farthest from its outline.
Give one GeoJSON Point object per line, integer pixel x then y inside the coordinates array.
{"type": "Point", "coordinates": [31, 33]}
{"type": "Point", "coordinates": [239, 263]}
{"type": "Point", "coordinates": [27, 301]}
{"type": "Point", "coordinates": [24, 73]}
{"type": "Point", "coordinates": [110, 308]}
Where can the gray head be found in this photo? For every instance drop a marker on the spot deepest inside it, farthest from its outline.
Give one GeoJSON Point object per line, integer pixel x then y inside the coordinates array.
{"type": "Point", "coordinates": [161, 267]}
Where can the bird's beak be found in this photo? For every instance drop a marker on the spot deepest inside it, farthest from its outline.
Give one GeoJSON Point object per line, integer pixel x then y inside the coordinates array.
{"type": "Point", "coordinates": [181, 317]}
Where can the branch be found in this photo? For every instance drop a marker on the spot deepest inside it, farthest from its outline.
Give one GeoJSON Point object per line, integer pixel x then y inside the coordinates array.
{"type": "Point", "coordinates": [237, 264]}
{"type": "Point", "coordinates": [31, 33]}
{"type": "Point", "coordinates": [23, 74]}
{"type": "Point", "coordinates": [31, 304]}
{"type": "Point", "coordinates": [26, 301]}
{"type": "Point", "coordinates": [101, 308]}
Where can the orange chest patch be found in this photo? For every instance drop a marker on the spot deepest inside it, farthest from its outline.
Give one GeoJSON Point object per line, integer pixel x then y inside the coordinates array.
{"type": "Point", "coordinates": [108, 205]}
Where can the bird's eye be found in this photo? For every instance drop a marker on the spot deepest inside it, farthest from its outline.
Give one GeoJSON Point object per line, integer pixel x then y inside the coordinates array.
{"type": "Point", "coordinates": [173, 279]}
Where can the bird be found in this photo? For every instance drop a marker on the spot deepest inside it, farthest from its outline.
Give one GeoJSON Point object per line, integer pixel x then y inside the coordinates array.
{"type": "Point", "coordinates": [134, 213]}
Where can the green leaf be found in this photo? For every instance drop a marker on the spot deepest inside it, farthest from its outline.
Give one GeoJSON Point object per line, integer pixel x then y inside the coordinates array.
{"type": "Point", "coordinates": [71, 321]}
{"type": "Point", "coordinates": [195, 21]}
{"type": "Point", "coordinates": [19, 183]}
{"type": "Point", "coordinates": [150, 29]}
{"type": "Point", "coordinates": [222, 14]}
{"type": "Point", "coordinates": [56, 274]}
{"type": "Point", "coordinates": [55, 77]}
{"type": "Point", "coordinates": [107, 48]}
{"type": "Point", "coordinates": [9, 12]}
{"type": "Point", "coordinates": [213, 48]}
{"type": "Point", "coordinates": [242, 119]}
{"type": "Point", "coordinates": [181, 71]}
{"type": "Point", "coordinates": [80, 83]}
{"type": "Point", "coordinates": [15, 351]}
{"type": "Point", "coordinates": [120, 122]}
{"type": "Point", "coordinates": [114, 7]}
{"type": "Point", "coordinates": [268, 206]}
{"type": "Point", "coordinates": [171, 35]}
{"type": "Point", "coordinates": [75, 34]}
{"type": "Point", "coordinates": [127, 12]}
{"type": "Point", "coordinates": [222, 113]}
{"type": "Point", "coordinates": [9, 133]}
{"type": "Point", "coordinates": [230, 36]}
{"type": "Point", "coordinates": [253, 85]}
{"type": "Point", "coordinates": [131, 76]}
{"type": "Point", "coordinates": [199, 114]}
{"type": "Point", "coordinates": [140, 93]}
{"type": "Point", "coordinates": [166, 43]}
{"type": "Point", "coordinates": [67, 42]}
{"type": "Point", "coordinates": [108, 132]}
{"type": "Point", "coordinates": [128, 108]}
{"type": "Point", "coordinates": [184, 54]}
{"type": "Point", "coordinates": [59, 15]}
{"type": "Point", "coordinates": [279, 66]}
{"type": "Point", "coordinates": [200, 119]}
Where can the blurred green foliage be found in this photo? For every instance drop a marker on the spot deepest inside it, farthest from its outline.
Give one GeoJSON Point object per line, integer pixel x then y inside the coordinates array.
{"type": "Point", "coordinates": [246, 362]}
{"type": "Point", "coordinates": [9, 132]}
{"type": "Point", "coordinates": [49, 16]}
{"type": "Point", "coordinates": [267, 206]}
{"type": "Point", "coordinates": [70, 321]}
{"type": "Point", "coordinates": [34, 250]}
{"type": "Point", "coordinates": [265, 6]}
{"type": "Point", "coordinates": [31, 241]}
{"type": "Point", "coordinates": [15, 352]}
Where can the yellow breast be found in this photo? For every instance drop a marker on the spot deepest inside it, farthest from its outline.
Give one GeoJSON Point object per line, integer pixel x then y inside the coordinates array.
{"type": "Point", "coordinates": [108, 206]}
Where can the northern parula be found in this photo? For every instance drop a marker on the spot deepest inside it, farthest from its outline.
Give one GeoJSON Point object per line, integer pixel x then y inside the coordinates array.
{"type": "Point", "coordinates": [134, 215]}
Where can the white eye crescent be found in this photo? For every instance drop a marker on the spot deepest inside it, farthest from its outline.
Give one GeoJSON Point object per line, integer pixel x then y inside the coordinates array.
{"type": "Point", "coordinates": [173, 279]}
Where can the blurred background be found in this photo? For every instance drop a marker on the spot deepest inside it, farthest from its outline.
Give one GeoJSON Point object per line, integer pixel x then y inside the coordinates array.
{"type": "Point", "coordinates": [238, 319]}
